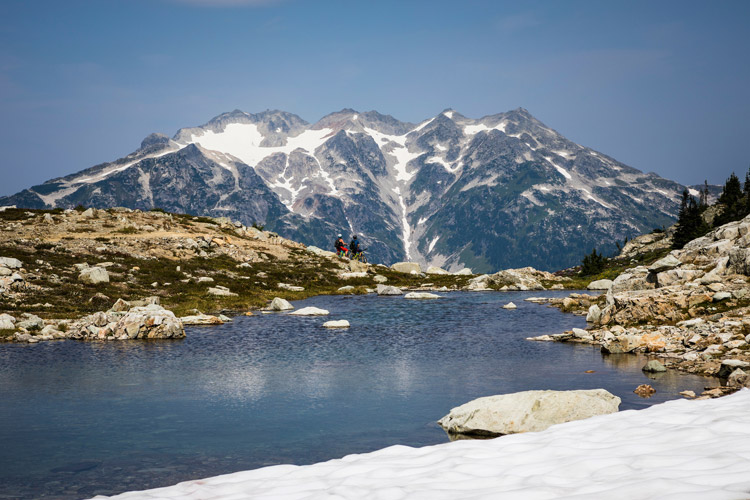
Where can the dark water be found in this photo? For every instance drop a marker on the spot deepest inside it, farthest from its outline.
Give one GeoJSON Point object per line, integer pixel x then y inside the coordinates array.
{"type": "Point", "coordinates": [80, 419]}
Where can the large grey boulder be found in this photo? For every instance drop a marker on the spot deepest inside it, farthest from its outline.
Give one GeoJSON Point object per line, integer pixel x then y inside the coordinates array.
{"type": "Point", "coordinates": [730, 365]}
{"type": "Point", "coordinates": [7, 322]}
{"type": "Point", "coordinates": [10, 263]}
{"type": "Point", "coordinates": [388, 290]}
{"type": "Point", "coordinates": [436, 270]}
{"type": "Point", "coordinates": [407, 267]}
{"type": "Point", "coordinates": [279, 304]}
{"type": "Point", "coordinates": [600, 285]}
{"type": "Point", "coordinates": [654, 366]}
{"type": "Point", "coordinates": [528, 411]}
{"type": "Point", "coordinates": [30, 322]}
{"type": "Point", "coordinates": [594, 315]}
{"type": "Point", "coordinates": [94, 275]}
{"type": "Point", "coordinates": [665, 264]}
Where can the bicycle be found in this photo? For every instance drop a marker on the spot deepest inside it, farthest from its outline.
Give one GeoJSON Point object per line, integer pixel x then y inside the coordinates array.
{"type": "Point", "coordinates": [360, 256]}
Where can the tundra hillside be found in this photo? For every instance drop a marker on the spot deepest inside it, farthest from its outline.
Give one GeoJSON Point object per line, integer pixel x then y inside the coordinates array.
{"type": "Point", "coordinates": [59, 266]}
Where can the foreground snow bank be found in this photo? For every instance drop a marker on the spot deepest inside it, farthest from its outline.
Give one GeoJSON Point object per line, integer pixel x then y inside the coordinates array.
{"type": "Point", "coordinates": [676, 450]}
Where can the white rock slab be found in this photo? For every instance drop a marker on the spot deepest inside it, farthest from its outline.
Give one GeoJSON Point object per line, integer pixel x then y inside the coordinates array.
{"type": "Point", "coordinates": [310, 311]}
{"type": "Point", "coordinates": [421, 295]}
{"type": "Point", "coordinates": [527, 411]}
{"type": "Point", "coordinates": [341, 323]}
{"type": "Point", "coordinates": [510, 305]}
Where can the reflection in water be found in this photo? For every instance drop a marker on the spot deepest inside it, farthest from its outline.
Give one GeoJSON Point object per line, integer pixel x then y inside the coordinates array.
{"type": "Point", "coordinates": [275, 388]}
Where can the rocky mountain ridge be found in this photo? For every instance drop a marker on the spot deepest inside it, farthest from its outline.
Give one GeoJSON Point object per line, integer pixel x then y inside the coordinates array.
{"type": "Point", "coordinates": [491, 193]}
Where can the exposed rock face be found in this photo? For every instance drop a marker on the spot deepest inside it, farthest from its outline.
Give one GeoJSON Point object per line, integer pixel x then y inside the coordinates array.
{"type": "Point", "coordinates": [528, 411]}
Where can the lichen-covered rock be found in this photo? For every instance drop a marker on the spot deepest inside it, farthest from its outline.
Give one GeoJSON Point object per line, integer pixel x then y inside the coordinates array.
{"type": "Point", "coordinates": [407, 267]}
{"type": "Point", "coordinates": [528, 411]}
{"type": "Point", "coordinates": [149, 322]}
{"type": "Point", "coordinates": [654, 366]}
{"type": "Point", "coordinates": [600, 285]}
{"type": "Point", "coordinates": [388, 290]}
{"type": "Point", "coordinates": [279, 304]}
{"type": "Point", "coordinates": [93, 275]}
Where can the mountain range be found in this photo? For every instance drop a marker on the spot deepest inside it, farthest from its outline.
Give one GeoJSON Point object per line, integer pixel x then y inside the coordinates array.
{"type": "Point", "coordinates": [491, 193]}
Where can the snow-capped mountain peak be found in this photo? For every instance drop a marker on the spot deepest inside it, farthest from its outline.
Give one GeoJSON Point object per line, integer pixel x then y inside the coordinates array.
{"type": "Point", "coordinates": [498, 191]}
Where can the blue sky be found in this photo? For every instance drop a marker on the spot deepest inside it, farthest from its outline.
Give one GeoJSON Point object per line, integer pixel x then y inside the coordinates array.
{"type": "Point", "coordinates": [662, 86]}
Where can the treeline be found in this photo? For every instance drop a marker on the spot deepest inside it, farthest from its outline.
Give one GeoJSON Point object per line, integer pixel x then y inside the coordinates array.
{"type": "Point", "coordinates": [735, 205]}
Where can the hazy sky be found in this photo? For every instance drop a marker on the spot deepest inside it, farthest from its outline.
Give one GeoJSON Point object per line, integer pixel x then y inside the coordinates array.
{"type": "Point", "coordinates": [663, 86]}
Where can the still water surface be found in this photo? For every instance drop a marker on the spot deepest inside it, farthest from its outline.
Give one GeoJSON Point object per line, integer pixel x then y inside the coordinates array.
{"type": "Point", "coordinates": [81, 419]}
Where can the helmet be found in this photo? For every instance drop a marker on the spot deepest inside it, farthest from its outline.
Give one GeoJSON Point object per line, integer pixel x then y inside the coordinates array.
{"type": "Point", "coordinates": [355, 236]}
{"type": "Point", "coordinates": [339, 235]}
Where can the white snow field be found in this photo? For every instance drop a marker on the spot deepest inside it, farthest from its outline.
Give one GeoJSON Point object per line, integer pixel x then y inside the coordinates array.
{"type": "Point", "coordinates": [679, 450]}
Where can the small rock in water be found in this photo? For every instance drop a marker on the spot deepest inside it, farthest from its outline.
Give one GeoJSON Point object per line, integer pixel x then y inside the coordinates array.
{"type": "Point", "coordinates": [341, 323]}
{"type": "Point", "coordinates": [644, 391]}
{"type": "Point", "coordinates": [510, 305]}
{"type": "Point", "coordinates": [421, 295]}
{"type": "Point", "coordinates": [653, 366]}
{"type": "Point", "coordinates": [688, 394]}
{"type": "Point", "coordinates": [310, 311]}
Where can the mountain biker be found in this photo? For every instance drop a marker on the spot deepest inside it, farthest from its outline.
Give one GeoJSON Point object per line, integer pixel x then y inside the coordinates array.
{"type": "Point", "coordinates": [340, 246]}
{"type": "Point", "coordinates": [354, 245]}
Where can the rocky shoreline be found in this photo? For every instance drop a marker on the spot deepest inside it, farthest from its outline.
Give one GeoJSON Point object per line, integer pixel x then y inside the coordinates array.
{"type": "Point", "coordinates": [689, 310]}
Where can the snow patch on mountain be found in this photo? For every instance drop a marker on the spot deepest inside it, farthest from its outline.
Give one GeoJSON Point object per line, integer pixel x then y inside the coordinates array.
{"type": "Point", "coordinates": [243, 141]}
{"type": "Point", "coordinates": [559, 168]}
{"type": "Point", "coordinates": [432, 244]}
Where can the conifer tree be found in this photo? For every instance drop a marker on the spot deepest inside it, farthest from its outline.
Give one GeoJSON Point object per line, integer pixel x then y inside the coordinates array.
{"type": "Point", "coordinates": [735, 204]}
{"type": "Point", "coordinates": [704, 196]}
{"type": "Point", "coordinates": [690, 224]}
{"type": "Point", "coordinates": [593, 263]}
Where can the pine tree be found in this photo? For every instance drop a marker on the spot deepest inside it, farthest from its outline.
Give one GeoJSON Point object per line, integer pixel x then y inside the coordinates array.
{"type": "Point", "coordinates": [593, 263]}
{"type": "Point", "coordinates": [735, 204]}
{"type": "Point", "coordinates": [690, 224]}
{"type": "Point", "coordinates": [732, 191]}
{"type": "Point", "coordinates": [704, 196]}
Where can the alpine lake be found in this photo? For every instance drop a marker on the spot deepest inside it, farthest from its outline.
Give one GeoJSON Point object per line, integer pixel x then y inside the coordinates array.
{"type": "Point", "coordinates": [81, 419]}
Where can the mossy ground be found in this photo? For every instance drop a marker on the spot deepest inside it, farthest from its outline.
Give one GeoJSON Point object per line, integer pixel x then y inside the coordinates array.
{"type": "Point", "coordinates": [57, 293]}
